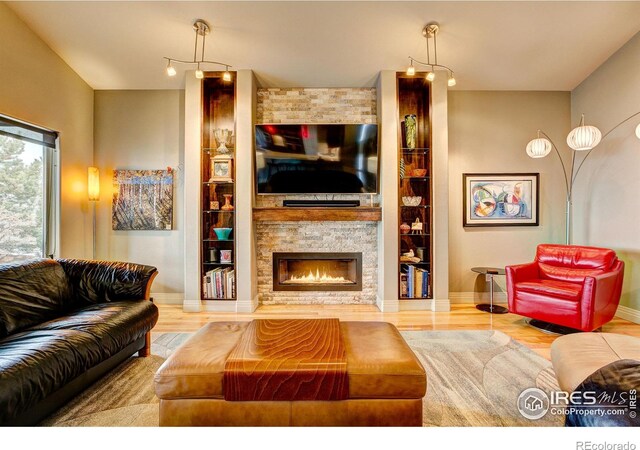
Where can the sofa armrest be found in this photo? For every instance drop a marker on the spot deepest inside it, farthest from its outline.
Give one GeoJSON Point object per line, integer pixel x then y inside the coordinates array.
{"type": "Point", "coordinates": [600, 297]}
{"type": "Point", "coordinates": [104, 281]}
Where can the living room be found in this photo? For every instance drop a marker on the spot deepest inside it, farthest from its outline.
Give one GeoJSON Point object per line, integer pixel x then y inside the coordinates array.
{"type": "Point", "coordinates": [427, 107]}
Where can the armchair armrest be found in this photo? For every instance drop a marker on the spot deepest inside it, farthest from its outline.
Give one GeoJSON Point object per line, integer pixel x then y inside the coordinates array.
{"type": "Point", "coordinates": [600, 297]}
{"type": "Point", "coordinates": [104, 281]}
{"type": "Point", "coordinates": [517, 273]}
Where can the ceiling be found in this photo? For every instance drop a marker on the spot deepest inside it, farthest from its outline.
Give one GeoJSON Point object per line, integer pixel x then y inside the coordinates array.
{"type": "Point", "coordinates": [490, 45]}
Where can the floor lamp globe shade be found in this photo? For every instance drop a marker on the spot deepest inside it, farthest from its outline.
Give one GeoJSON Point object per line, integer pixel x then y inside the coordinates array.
{"type": "Point", "coordinates": [93, 184]}
{"type": "Point", "coordinates": [638, 131]}
{"type": "Point", "coordinates": [584, 138]}
{"type": "Point", "coordinates": [538, 148]}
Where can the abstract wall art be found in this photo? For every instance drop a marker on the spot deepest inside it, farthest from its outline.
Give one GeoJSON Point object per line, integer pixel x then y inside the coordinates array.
{"type": "Point", "coordinates": [500, 199]}
{"type": "Point", "coordinates": [142, 200]}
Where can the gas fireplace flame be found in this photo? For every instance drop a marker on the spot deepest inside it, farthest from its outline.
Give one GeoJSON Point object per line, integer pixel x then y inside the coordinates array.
{"type": "Point", "coordinates": [317, 278]}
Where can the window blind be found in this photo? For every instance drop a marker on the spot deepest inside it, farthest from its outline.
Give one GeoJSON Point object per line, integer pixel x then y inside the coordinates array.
{"type": "Point", "coordinates": [29, 133]}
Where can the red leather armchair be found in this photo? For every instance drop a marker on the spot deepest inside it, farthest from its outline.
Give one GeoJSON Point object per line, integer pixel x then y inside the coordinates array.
{"type": "Point", "coordinates": [569, 285]}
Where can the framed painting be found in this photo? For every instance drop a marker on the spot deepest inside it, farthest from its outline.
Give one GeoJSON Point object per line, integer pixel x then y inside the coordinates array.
{"type": "Point", "coordinates": [142, 200]}
{"type": "Point", "coordinates": [501, 199]}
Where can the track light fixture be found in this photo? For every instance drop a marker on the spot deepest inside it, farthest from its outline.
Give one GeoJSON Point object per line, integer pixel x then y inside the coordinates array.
{"type": "Point", "coordinates": [202, 29]}
{"type": "Point", "coordinates": [430, 31]}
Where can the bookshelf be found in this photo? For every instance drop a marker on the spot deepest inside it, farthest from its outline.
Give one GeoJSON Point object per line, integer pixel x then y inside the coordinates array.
{"type": "Point", "coordinates": [414, 180]}
{"type": "Point", "coordinates": [218, 189]}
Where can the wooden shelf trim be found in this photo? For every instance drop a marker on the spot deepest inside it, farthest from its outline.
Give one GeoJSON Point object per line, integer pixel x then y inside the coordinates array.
{"type": "Point", "coordinates": [329, 214]}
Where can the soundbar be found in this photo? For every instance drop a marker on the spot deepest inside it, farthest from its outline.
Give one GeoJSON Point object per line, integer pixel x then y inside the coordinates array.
{"type": "Point", "coordinates": [321, 203]}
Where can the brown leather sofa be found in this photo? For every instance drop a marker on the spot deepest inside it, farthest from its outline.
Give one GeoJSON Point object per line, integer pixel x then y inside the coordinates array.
{"type": "Point", "coordinates": [386, 383]}
{"type": "Point", "coordinates": [63, 324]}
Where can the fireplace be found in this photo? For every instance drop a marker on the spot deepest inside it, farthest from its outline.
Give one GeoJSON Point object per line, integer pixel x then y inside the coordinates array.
{"type": "Point", "coordinates": [317, 271]}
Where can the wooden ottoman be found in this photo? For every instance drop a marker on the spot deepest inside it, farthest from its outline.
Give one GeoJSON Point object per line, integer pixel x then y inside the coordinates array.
{"type": "Point", "coordinates": [316, 372]}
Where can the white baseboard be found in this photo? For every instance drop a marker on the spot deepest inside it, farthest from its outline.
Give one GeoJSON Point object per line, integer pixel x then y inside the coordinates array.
{"type": "Point", "coordinates": [630, 314]}
{"type": "Point", "coordinates": [476, 297]}
{"type": "Point", "coordinates": [441, 305]}
{"type": "Point", "coordinates": [168, 298]}
{"type": "Point", "coordinates": [220, 305]}
{"type": "Point", "coordinates": [248, 306]}
{"type": "Point", "coordinates": [415, 305]}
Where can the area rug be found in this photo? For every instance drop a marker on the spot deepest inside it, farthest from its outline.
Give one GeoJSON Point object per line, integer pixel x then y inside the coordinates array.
{"type": "Point", "coordinates": [474, 379]}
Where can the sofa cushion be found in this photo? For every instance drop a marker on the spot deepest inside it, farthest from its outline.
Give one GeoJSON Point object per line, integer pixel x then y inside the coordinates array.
{"type": "Point", "coordinates": [31, 293]}
{"type": "Point", "coordinates": [114, 325]}
{"type": "Point", "coordinates": [34, 364]}
{"type": "Point", "coordinates": [106, 281]}
{"type": "Point", "coordinates": [553, 288]}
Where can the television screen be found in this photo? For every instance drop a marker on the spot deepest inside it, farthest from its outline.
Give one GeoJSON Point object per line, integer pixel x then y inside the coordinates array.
{"type": "Point", "coordinates": [317, 159]}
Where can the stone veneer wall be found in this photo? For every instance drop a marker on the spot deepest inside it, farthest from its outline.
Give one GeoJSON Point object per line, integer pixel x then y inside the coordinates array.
{"type": "Point", "coordinates": [330, 105]}
{"type": "Point", "coordinates": [317, 237]}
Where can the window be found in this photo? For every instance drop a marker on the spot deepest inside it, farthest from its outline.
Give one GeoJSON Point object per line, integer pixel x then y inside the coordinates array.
{"type": "Point", "coordinates": [28, 186]}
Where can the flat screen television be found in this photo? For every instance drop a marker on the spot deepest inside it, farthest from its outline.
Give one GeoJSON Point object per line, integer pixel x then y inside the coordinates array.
{"type": "Point", "coordinates": [316, 159]}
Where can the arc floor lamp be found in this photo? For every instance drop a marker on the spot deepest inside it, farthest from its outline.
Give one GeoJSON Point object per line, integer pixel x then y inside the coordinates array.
{"type": "Point", "coordinates": [583, 138]}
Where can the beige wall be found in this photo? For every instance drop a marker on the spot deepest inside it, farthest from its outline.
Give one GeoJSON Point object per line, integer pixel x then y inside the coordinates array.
{"type": "Point", "coordinates": [142, 130]}
{"type": "Point", "coordinates": [606, 206]}
{"type": "Point", "coordinates": [488, 133]}
{"type": "Point", "coordinates": [37, 86]}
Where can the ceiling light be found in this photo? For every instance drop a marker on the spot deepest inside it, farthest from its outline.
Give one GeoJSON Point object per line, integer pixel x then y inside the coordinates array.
{"type": "Point", "coordinates": [584, 137]}
{"type": "Point", "coordinates": [226, 76]}
{"type": "Point", "coordinates": [411, 71]}
{"type": "Point", "coordinates": [171, 71]}
{"type": "Point", "coordinates": [202, 29]}
{"type": "Point", "coordinates": [430, 31]}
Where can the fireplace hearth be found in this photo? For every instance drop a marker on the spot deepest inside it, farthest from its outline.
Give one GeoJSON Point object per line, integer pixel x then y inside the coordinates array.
{"type": "Point", "coordinates": [317, 271]}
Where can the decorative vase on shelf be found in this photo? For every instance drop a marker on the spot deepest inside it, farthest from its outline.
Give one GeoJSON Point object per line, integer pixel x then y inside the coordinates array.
{"type": "Point", "coordinates": [410, 130]}
{"type": "Point", "coordinates": [222, 136]}
{"type": "Point", "coordinates": [404, 228]}
{"type": "Point", "coordinates": [227, 203]}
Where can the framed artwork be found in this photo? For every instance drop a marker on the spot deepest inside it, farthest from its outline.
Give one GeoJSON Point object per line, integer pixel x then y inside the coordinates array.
{"type": "Point", "coordinates": [501, 199]}
{"type": "Point", "coordinates": [142, 200]}
{"type": "Point", "coordinates": [221, 168]}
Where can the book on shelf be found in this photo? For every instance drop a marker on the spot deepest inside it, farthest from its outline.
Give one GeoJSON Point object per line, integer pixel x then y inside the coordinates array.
{"type": "Point", "coordinates": [414, 282]}
{"type": "Point", "coordinates": [219, 283]}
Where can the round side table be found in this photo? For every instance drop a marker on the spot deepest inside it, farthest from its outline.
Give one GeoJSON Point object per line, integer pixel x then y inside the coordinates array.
{"type": "Point", "coordinates": [489, 273]}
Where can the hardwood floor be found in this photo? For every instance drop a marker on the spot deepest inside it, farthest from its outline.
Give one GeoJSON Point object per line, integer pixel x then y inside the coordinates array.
{"type": "Point", "coordinates": [461, 317]}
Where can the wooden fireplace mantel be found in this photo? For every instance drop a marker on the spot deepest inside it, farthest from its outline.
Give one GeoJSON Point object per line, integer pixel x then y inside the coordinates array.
{"type": "Point", "coordinates": [290, 214]}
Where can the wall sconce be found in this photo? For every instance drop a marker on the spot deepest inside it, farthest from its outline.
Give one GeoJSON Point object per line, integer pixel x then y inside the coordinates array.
{"type": "Point", "coordinates": [93, 193]}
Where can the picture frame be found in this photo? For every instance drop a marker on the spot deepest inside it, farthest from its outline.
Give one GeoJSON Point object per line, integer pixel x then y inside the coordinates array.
{"type": "Point", "coordinates": [221, 169]}
{"type": "Point", "coordinates": [500, 199]}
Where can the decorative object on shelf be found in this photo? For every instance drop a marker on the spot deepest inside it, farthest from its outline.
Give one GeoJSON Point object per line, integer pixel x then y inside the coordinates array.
{"type": "Point", "coordinates": [409, 257]}
{"type": "Point", "coordinates": [404, 228]}
{"type": "Point", "coordinates": [142, 200]}
{"type": "Point", "coordinates": [402, 170]}
{"type": "Point", "coordinates": [213, 254]}
{"type": "Point", "coordinates": [223, 137]}
{"type": "Point", "coordinates": [214, 204]}
{"type": "Point", "coordinates": [227, 203]}
{"type": "Point", "coordinates": [226, 256]}
{"type": "Point", "coordinates": [500, 199]}
{"type": "Point", "coordinates": [201, 28]}
{"type": "Point", "coordinates": [416, 226]}
{"type": "Point", "coordinates": [430, 31]}
{"type": "Point", "coordinates": [222, 168]}
{"type": "Point", "coordinates": [419, 172]}
{"type": "Point", "coordinates": [222, 233]}
{"type": "Point", "coordinates": [411, 200]}
{"type": "Point", "coordinates": [581, 138]}
{"type": "Point", "coordinates": [410, 131]}
{"type": "Point", "coordinates": [421, 252]}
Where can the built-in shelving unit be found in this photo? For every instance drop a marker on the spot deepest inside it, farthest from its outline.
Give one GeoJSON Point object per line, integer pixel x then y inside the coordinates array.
{"type": "Point", "coordinates": [218, 193]}
{"type": "Point", "coordinates": [414, 97]}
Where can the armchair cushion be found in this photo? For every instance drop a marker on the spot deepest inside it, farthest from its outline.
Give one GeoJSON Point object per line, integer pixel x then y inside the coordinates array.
{"type": "Point", "coordinates": [557, 289]}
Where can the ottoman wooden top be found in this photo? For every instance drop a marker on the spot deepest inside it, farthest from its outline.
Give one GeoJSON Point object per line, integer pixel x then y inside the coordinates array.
{"type": "Point", "coordinates": [287, 359]}
{"type": "Point", "coordinates": [380, 364]}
